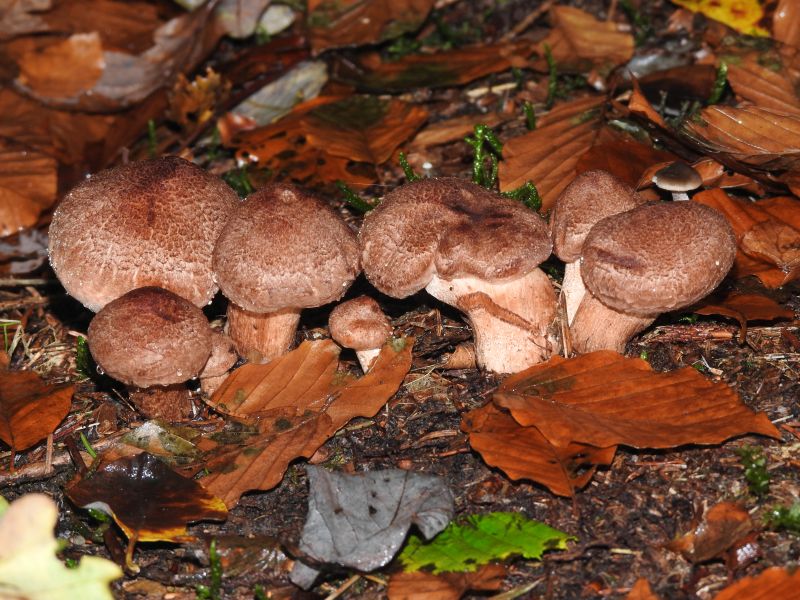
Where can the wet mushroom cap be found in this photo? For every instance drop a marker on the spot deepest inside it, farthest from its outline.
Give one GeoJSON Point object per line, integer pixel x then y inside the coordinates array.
{"type": "Point", "coordinates": [359, 324]}
{"type": "Point", "coordinates": [677, 177]}
{"type": "Point", "coordinates": [148, 223]}
{"type": "Point", "coordinates": [657, 257]}
{"type": "Point", "coordinates": [150, 336]}
{"type": "Point", "coordinates": [590, 197]}
{"type": "Point", "coordinates": [451, 228]}
{"type": "Point", "coordinates": [285, 248]}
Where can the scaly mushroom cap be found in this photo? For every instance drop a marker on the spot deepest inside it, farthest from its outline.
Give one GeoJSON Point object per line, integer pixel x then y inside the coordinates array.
{"type": "Point", "coordinates": [451, 228]}
{"type": "Point", "coordinates": [590, 197]}
{"type": "Point", "coordinates": [657, 257]}
{"type": "Point", "coordinates": [149, 223]}
{"type": "Point", "coordinates": [677, 177]}
{"type": "Point", "coordinates": [359, 324]}
{"type": "Point", "coordinates": [284, 248]}
{"type": "Point", "coordinates": [150, 336]}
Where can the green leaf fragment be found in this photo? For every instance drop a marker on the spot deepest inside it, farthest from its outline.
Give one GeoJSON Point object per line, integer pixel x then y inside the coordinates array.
{"type": "Point", "coordinates": [479, 539]}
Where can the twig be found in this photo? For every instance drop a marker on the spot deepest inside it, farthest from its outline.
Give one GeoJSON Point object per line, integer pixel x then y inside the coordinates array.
{"type": "Point", "coordinates": [528, 20]}
{"type": "Point", "coordinates": [20, 282]}
{"type": "Point", "coordinates": [26, 303]}
{"type": "Point", "coordinates": [342, 588]}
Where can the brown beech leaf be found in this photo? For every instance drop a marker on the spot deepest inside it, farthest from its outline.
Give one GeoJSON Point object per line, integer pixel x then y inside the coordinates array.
{"type": "Point", "coordinates": [744, 308]}
{"type": "Point", "coordinates": [639, 105]}
{"type": "Point", "coordinates": [579, 41]}
{"type": "Point", "coordinates": [27, 187]}
{"type": "Point", "coordinates": [524, 453]}
{"type": "Point", "coordinates": [30, 410]}
{"type": "Point", "coordinates": [298, 404]}
{"type": "Point", "coordinates": [452, 130]}
{"type": "Point", "coordinates": [359, 22]}
{"type": "Point", "coordinates": [420, 585]}
{"type": "Point", "coordinates": [719, 529]}
{"type": "Point", "coordinates": [769, 88]}
{"type": "Point", "coordinates": [549, 154]}
{"type": "Point", "coordinates": [767, 233]}
{"type": "Point", "coordinates": [597, 399]}
{"type": "Point", "coordinates": [446, 68]}
{"type": "Point", "coordinates": [148, 500]}
{"type": "Point", "coordinates": [786, 22]}
{"type": "Point", "coordinates": [64, 69]}
{"type": "Point", "coordinates": [362, 128]}
{"type": "Point", "coordinates": [775, 583]}
{"type": "Point", "coordinates": [641, 590]}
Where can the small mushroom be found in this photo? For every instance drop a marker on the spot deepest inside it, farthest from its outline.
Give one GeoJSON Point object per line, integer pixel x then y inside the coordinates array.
{"type": "Point", "coordinates": [216, 370]}
{"type": "Point", "coordinates": [150, 337]}
{"type": "Point", "coordinates": [678, 178]}
{"type": "Point", "coordinates": [652, 259]}
{"type": "Point", "coordinates": [472, 249]}
{"type": "Point", "coordinates": [148, 223]}
{"type": "Point", "coordinates": [590, 197]}
{"type": "Point", "coordinates": [360, 324]}
{"type": "Point", "coordinates": [282, 250]}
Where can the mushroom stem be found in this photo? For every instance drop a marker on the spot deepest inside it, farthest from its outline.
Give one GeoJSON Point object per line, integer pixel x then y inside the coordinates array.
{"type": "Point", "coordinates": [262, 337]}
{"type": "Point", "coordinates": [679, 196]}
{"type": "Point", "coordinates": [598, 327]}
{"type": "Point", "coordinates": [572, 289]}
{"type": "Point", "coordinates": [510, 320]}
{"type": "Point", "coordinates": [367, 357]}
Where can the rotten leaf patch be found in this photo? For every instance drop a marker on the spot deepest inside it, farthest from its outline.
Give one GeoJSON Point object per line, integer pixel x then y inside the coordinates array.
{"type": "Point", "coordinates": [360, 521]}
{"type": "Point", "coordinates": [421, 585]}
{"type": "Point", "coordinates": [295, 403]}
{"type": "Point", "coordinates": [148, 500]}
{"type": "Point", "coordinates": [30, 410]}
{"type": "Point", "coordinates": [597, 399]}
{"type": "Point", "coordinates": [723, 526]}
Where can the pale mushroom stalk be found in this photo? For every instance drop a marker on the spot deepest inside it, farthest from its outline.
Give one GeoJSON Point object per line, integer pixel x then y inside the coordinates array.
{"type": "Point", "coordinates": [262, 337]}
{"type": "Point", "coordinates": [598, 327]}
{"type": "Point", "coordinates": [510, 320]}
{"type": "Point", "coordinates": [572, 289]}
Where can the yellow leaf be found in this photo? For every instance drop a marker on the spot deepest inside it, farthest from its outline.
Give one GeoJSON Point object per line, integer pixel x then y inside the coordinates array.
{"type": "Point", "coordinates": [741, 15]}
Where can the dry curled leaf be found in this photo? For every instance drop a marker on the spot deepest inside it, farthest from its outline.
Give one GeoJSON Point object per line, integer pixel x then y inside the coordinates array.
{"type": "Point", "coordinates": [744, 308]}
{"type": "Point", "coordinates": [30, 410]}
{"type": "Point", "coordinates": [524, 453]}
{"type": "Point", "coordinates": [775, 583]}
{"type": "Point", "coordinates": [719, 529]}
{"type": "Point", "coordinates": [549, 154]}
{"type": "Point", "coordinates": [597, 399]}
{"type": "Point", "coordinates": [421, 585]}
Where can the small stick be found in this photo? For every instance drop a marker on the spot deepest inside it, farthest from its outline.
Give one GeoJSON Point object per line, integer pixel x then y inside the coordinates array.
{"type": "Point", "coordinates": [21, 282]}
{"type": "Point", "coordinates": [342, 588]}
{"type": "Point", "coordinates": [48, 457]}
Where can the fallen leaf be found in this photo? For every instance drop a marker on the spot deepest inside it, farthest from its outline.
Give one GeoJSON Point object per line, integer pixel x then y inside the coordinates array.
{"type": "Point", "coordinates": [753, 81]}
{"type": "Point", "coordinates": [744, 308]}
{"type": "Point", "coordinates": [767, 233]}
{"type": "Point", "coordinates": [524, 453]}
{"type": "Point", "coordinates": [193, 102]}
{"type": "Point", "coordinates": [597, 399]}
{"type": "Point", "coordinates": [251, 555]}
{"type": "Point", "coordinates": [30, 410]}
{"type": "Point", "coordinates": [548, 155]}
{"type": "Point", "coordinates": [239, 18]}
{"type": "Point", "coordinates": [299, 409]}
{"type": "Point", "coordinates": [361, 520]}
{"type": "Point", "coordinates": [333, 24]}
{"type": "Point", "coordinates": [579, 41]}
{"type": "Point", "coordinates": [64, 69]}
{"type": "Point", "coordinates": [421, 585]}
{"type": "Point", "coordinates": [786, 22]}
{"type": "Point", "coordinates": [775, 583]}
{"type": "Point", "coordinates": [742, 15]}
{"type": "Point", "coordinates": [21, 17]}
{"type": "Point", "coordinates": [479, 539]}
{"type": "Point", "coordinates": [453, 130]}
{"type": "Point", "coordinates": [719, 529]}
{"type": "Point", "coordinates": [148, 500]}
{"type": "Point", "coordinates": [641, 590]}
{"type": "Point", "coordinates": [29, 567]}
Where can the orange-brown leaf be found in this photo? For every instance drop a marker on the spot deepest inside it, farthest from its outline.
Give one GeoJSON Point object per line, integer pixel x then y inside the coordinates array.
{"type": "Point", "coordinates": [641, 590]}
{"type": "Point", "coordinates": [296, 414]}
{"type": "Point", "coordinates": [720, 528]}
{"type": "Point", "coordinates": [524, 453]}
{"type": "Point", "coordinates": [786, 22]}
{"type": "Point", "coordinates": [548, 155]}
{"type": "Point", "coordinates": [420, 585]}
{"type": "Point", "coordinates": [744, 308]}
{"type": "Point", "coordinates": [770, 88]}
{"type": "Point", "coordinates": [775, 583]}
{"type": "Point", "coordinates": [598, 399]}
{"type": "Point", "coordinates": [30, 410]}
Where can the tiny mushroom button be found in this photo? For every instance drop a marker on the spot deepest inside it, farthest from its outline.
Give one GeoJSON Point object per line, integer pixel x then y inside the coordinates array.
{"type": "Point", "coordinates": [472, 249]}
{"type": "Point", "coordinates": [282, 250]}
{"type": "Point", "coordinates": [148, 223]}
{"type": "Point", "coordinates": [678, 178]}
{"type": "Point", "coordinates": [360, 324]}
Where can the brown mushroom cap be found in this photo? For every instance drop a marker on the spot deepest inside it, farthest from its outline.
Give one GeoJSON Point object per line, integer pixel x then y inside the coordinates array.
{"type": "Point", "coordinates": [452, 228]}
{"type": "Point", "coordinates": [284, 248]}
{"type": "Point", "coordinates": [150, 336]}
{"type": "Point", "coordinates": [677, 177]}
{"type": "Point", "coordinates": [657, 257]}
{"type": "Point", "coordinates": [359, 324]}
{"type": "Point", "coordinates": [145, 223]}
{"type": "Point", "coordinates": [590, 197]}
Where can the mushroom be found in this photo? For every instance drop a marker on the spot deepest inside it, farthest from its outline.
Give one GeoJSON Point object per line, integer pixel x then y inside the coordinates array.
{"type": "Point", "coordinates": [472, 249]}
{"type": "Point", "coordinates": [282, 250]}
{"type": "Point", "coordinates": [149, 223]}
{"type": "Point", "coordinates": [150, 337]}
{"type": "Point", "coordinates": [677, 177]}
{"type": "Point", "coordinates": [649, 260]}
{"type": "Point", "coordinates": [361, 325]}
{"type": "Point", "coordinates": [590, 197]}
{"type": "Point", "coordinates": [223, 357]}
